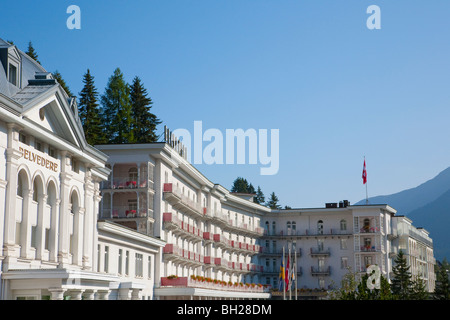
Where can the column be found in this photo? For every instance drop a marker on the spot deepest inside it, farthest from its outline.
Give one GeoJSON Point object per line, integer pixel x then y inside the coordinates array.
{"type": "Point", "coordinates": [89, 294]}
{"type": "Point", "coordinates": [103, 294]}
{"type": "Point", "coordinates": [75, 294]}
{"type": "Point", "coordinates": [78, 236]}
{"type": "Point", "coordinates": [12, 156]}
{"type": "Point", "coordinates": [63, 240]}
{"type": "Point", "coordinates": [40, 228]}
{"type": "Point", "coordinates": [54, 226]}
{"type": "Point", "coordinates": [88, 220]}
{"type": "Point", "coordinates": [57, 293]}
{"type": "Point", "coordinates": [25, 229]}
{"type": "Point", "coordinates": [136, 294]}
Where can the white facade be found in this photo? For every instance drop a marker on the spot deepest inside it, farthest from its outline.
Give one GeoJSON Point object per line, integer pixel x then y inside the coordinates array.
{"type": "Point", "coordinates": [140, 222]}
{"type": "Point", "coordinates": [210, 234]}
{"type": "Point", "coordinates": [331, 241]}
{"type": "Point", "coordinates": [49, 196]}
{"type": "Point", "coordinates": [417, 247]}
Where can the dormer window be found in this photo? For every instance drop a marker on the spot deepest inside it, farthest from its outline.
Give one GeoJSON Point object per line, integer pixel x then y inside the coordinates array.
{"type": "Point", "coordinates": [12, 74]}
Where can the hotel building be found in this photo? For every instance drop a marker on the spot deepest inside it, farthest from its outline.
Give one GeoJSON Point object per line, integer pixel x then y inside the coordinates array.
{"type": "Point", "coordinates": [138, 221]}
{"type": "Point", "coordinates": [52, 246]}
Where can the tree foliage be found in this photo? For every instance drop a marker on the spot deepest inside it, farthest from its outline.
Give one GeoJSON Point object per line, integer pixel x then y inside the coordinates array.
{"type": "Point", "coordinates": [116, 110]}
{"type": "Point", "coordinates": [144, 122]}
{"type": "Point", "coordinates": [31, 52]}
{"type": "Point", "coordinates": [442, 289]}
{"type": "Point", "coordinates": [89, 111]}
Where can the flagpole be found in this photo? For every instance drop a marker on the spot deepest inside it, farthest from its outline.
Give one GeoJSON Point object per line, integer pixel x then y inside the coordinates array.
{"type": "Point", "coordinates": [289, 277]}
{"type": "Point", "coordinates": [365, 182]}
{"type": "Point", "coordinates": [295, 270]}
{"type": "Point", "coordinates": [284, 282]}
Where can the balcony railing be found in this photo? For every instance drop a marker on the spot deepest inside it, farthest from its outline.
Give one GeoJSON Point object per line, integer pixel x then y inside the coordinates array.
{"type": "Point", "coordinates": [320, 271]}
{"type": "Point", "coordinates": [180, 201]}
{"type": "Point", "coordinates": [320, 251]}
{"type": "Point", "coordinates": [171, 222]}
{"type": "Point", "coordinates": [125, 212]}
{"type": "Point", "coordinates": [173, 252]}
{"type": "Point", "coordinates": [306, 232]}
{"type": "Point", "coordinates": [206, 283]}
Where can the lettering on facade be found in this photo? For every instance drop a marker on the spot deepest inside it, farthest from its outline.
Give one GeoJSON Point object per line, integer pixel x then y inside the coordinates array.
{"type": "Point", "coordinates": [39, 160]}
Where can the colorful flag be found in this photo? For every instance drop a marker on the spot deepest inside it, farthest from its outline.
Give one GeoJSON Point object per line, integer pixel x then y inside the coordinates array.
{"type": "Point", "coordinates": [364, 173]}
{"type": "Point", "coordinates": [281, 277]}
{"type": "Point", "coordinates": [287, 274]}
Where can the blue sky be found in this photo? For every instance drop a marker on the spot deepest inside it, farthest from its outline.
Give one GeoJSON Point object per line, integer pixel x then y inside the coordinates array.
{"type": "Point", "coordinates": [336, 90]}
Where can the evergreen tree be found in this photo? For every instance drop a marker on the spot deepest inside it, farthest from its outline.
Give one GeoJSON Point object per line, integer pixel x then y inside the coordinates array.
{"type": "Point", "coordinates": [116, 110]}
{"type": "Point", "coordinates": [62, 83]}
{"type": "Point", "coordinates": [259, 197]}
{"type": "Point", "coordinates": [144, 122]}
{"type": "Point", "coordinates": [251, 189]}
{"type": "Point", "coordinates": [442, 288]}
{"type": "Point", "coordinates": [418, 290]}
{"type": "Point", "coordinates": [273, 202]}
{"type": "Point", "coordinates": [240, 185]}
{"type": "Point", "coordinates": [32, 53]}
{"type": "Point", "coordinates": [401, 282]}
{"type": "Point", "coordinates": [89, 112]}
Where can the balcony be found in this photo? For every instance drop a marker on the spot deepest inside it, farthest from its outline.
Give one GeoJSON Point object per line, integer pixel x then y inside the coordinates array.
{"type": "Point", "coordinates": [316, 252]}
{"type": "Point", "coordinates": [176, 254]}
{"type": "Point", "coordinates": [278, 252]}
{"type": "Point", "coordinates": [181, 228]}
{"type": "Point", "coordinates": [125, 212]}
{"type": "Point", "coordinates": [208, 283]}
{"type": "Point", "coordinates": [181, 202]}
{"type": "Point", "coordinates": [320, 271]}
{"type": "Point", "coordinates": [221, 241]}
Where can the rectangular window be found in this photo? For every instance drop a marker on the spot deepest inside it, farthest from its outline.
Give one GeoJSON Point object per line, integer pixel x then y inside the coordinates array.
{"type": "Point", "coordinates": [119, 271]}
{"type": "Point", "coordinates": [22, 138]}
{"type": "Point", "coordinates": [39, 146]}
{"type": "Point", "coordinates": [343, 244]}
{"type": "Point", "coordinates": [47, 239]}
{"type": "Point", "coordinates": [149, 267]}
{"type": "Point", "coordinates": [52, 152]}
{"type": "Point", "coordinates": [138, 267]}
{"type": "Point", "coordinates": [127, 262]}
{"type": "Point", "coordinates": [75, 165]}
{"type": "Point", "coordinates": [33, 236]}
{"type": "Point", "coordinates": [12, 76]}
{"type": "Point", "coordinates": [106, 261]}
{"type": "Point", "coordinates": [344, 262]}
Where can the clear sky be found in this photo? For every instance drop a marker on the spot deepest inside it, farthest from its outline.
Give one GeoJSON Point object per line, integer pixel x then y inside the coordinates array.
{"type": "Point", "coordinates": [336, 90]}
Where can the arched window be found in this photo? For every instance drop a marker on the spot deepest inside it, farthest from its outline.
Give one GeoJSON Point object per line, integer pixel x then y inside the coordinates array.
{"type": "Point", "coordinates": [294, 227]}
{"type": "Point", "coordinates": [366, 225]}
{"type": "Point", "coordinates": [320, 227]}
{"type": "Point", "coordinates": [343, 225]}
{"type": "Point", "coordinates": [267, 227]}
{"type": "Point", "coordinates": [288, 227]}
{"type": "Point", "coordinates": [274, 226]}
{"type": "Point", "coordinates": [133, 174]}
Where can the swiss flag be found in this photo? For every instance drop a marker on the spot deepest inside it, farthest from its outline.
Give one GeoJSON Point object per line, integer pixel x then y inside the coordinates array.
{"type": "Point", "coordinates": [364, 173]}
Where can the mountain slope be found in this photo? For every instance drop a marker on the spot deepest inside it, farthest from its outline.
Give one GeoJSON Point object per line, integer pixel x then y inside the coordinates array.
{"type": "Point", "coordinates": [408, 200]}
{"type": "Point", "coordinates": [428, 206]}
{"type": "Point", "coordinates": [435, 218]}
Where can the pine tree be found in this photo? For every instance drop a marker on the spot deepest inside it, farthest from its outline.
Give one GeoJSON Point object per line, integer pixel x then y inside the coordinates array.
{"type": "Point", "coordinates": [273, 202]}
{"type": "Point", "coordinates": [144, 122]}
{"type": "Point", "coordinates": [116, 110]}
{"type": "Point", "coordinates": [418, 290]}
{"type": "Point", "coordinates": [401, 282]}
{"type": "Point", "coordinates": [251, 189]}
{"type": "Point", "coordinates": [89, 112]}
{"type": "Point", "coordinates": [240, 185]}
{"type": "Point", "coordinates": [442, 288]}
{"type": "Point", "coordinates": [259, 198]}
{"type": "Point", "coordinates": [62, 83]}
{"type": "Point", "coordinates": [32, 53]}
